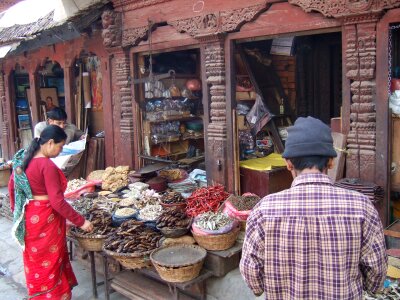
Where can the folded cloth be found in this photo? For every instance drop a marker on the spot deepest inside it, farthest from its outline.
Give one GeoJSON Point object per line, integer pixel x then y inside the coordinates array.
{"type": "Point", "coordinates": [373, 191]}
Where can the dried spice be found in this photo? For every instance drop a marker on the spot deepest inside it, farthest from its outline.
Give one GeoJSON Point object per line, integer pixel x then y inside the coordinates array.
{"type": "Point", "coordinates": [206, 199]}
{"type": "Point", "coordinates": [244, 203]}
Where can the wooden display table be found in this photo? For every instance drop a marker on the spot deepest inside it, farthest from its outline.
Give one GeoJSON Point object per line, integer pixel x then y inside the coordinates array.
{"type": "Point", "coordinates": [263, 183]}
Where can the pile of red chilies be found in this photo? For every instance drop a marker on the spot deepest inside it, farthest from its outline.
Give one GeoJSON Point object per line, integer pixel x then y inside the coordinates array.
{"type": "Point", "coordinates": [205, 199]}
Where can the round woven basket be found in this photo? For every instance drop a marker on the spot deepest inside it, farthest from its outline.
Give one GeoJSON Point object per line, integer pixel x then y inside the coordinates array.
{"type": "Point", "coordinates": [89, 242]}
{"type": "Point", "coordinates": [178, 263]}
{"type": "Point", "coordinates": [174, 232]}
{"type": "Point", "coordinates": [131, 260]}
{"type": "Point", "coordinates": [217, 242]}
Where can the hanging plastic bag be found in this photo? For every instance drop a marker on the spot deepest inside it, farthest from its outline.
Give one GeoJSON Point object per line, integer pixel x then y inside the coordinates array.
{"type": "Point", "coordinates": [258, 116]}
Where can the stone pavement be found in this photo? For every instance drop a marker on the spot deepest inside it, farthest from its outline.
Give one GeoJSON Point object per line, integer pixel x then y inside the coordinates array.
{"type": "Point", "coordinates": [12, 279]}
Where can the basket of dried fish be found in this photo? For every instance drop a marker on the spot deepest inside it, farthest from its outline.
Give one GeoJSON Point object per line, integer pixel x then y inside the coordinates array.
{"type": "Point", "coordinates": [173, 199]}
{"type": "Point", "coordinates": [178, 263]}
{"type": "Point", "coordinates": [131, 245]}
{"type": "Point", "coordinates": [215, 231]}
{"type": "Point", "coordinates": [173, 223]}
{"type": "Point", "coordinates": [94, 240]}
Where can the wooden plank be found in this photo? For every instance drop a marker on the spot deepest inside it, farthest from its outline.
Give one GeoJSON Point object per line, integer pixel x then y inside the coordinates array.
{"type": "Point", "coordinates": [135, 286]}
{"type": "Point", "coordinates": [339, 142]}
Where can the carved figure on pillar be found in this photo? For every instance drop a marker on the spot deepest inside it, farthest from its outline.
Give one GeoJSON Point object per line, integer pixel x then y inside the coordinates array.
{"type": "Point", "coordinates": [360, 70]}
{"type": "Point", "coordinates": [217, 136]}
{"type": "Point", "coordinates": [5, 135]}
{"type": "Point", "coordinates": [122, 70]}
{"type": "Point", "coordinates": [112, 25]}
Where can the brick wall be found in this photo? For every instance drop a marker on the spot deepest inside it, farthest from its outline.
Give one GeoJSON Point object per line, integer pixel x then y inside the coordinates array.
{"type": "Point", "coordinates": [285, 67]}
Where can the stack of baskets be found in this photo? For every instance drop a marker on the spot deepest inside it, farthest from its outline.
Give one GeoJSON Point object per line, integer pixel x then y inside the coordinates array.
{"type": "Point", "coordinates": [178, 263]}
{"type": "Point", "coordinates": [89, 242]}
{"type": "Point", "coordinates": [132, 261]}
{"type": "Point", "coordinates": [217, 242]}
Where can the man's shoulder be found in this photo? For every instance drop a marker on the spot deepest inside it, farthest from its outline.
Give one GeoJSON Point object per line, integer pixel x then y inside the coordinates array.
{"type": "Point", "coordinates": [42, 124]}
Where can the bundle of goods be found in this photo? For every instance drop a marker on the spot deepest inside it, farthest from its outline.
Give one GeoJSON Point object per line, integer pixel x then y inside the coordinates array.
{"type": "Point", "coordinates": [131, 244]}
{"type": "Point", "coordinates": [185, 186]}
{"type": "Point", "coordinates": [239, 207]}
{"type": "Point", "coordinates": [93, 241]}
{"type": "Point", "coordinates": [215, 231]}
{"type": "Point", "coordinates": [115, 178]}
{"type": "Point", "coordinates": [173, 223]}
{"type": "Point", "coordinates": [143, 198]}
{"type": "Point", "coordinates": [206, 199]}
{"type": "Point", "coordinates": [374, 192]}
{"type": "Point", "coordinates": [173, 174]}
{"type": "Point", "coordinates": [178, 263]}
{"type": "Point", "coordinates": [96, 175]}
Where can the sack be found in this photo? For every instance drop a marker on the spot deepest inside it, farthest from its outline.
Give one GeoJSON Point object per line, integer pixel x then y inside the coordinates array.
{"type": "Point", "coordinates": [231, 211]}
{"type": "Point", "coordinates": [201, 231]}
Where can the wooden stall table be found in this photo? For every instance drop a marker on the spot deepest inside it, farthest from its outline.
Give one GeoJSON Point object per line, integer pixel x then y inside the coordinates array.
{"type": "Point", "coordinates": [263, 176]}
{"type": "Point", "coordinates": [70, 241]}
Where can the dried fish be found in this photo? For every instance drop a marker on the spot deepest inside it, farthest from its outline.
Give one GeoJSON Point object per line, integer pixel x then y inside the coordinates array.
{"type": "Point", "coordinates": [75, 184]}
{"type": "Point", "coordinates": [213, 221]}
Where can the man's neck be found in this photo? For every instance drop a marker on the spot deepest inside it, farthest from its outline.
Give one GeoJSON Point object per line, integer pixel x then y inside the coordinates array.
{"type": "Point", "coordinates": [314, 170]}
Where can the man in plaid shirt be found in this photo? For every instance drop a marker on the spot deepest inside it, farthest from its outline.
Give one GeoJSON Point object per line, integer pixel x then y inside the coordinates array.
{"type": "Point", "coordinates": [314, 240]}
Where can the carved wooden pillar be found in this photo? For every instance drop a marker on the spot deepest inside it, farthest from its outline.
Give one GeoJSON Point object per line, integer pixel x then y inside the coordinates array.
{"type": "Point", "coordinates": [68, 88]}
{"type": "Point", "coordinates": [122, 114]}
{"type": "Point", "coordinates": [123, 88]}
{"type": "Point", "coordinates": [34, 92]}
{"type": "Point", "coordinates": [360, 60]}
{"type": "Point", "coordinates": [5, 133]}
{"type": "Point", "coordinates": [214, 93]}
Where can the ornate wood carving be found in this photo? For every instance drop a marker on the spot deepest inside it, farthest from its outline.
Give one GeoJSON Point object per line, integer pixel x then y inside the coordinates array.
{"type": "Point", "coordinates": [217, 134]}
{"type": "Point", "coordinates": [131, 36]}
{"type": "Point", "coordinates": [112, 24]}
{"type": "Point", "coordinates": [343, 8]}
{"type": "Point", "coordinates": [136, 4]}
{"type": "Point", "coordinates": [5, 135]}
{"type": "Point", "coordinates": [360, 70]}
{"type": "Point", "coordinates": [218, 22]}
{"type": "Point", "coordinates": [122, 69]}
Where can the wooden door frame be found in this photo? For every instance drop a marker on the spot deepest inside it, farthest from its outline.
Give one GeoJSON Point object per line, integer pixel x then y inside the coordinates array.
{"type": "Point", "coordinates": [382, 174]}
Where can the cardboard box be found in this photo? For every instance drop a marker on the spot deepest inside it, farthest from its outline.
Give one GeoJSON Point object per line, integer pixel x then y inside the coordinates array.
{"type": "Point", "coordinates": [241, 123]}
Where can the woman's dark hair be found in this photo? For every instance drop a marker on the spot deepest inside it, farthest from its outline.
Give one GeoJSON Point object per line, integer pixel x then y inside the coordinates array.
{"type": "Point", "coordinates": [308, 162]}
{"type": "Point", "coordinates": [50, 132]}
{"type": "Point", "coordinates": [57, 113]}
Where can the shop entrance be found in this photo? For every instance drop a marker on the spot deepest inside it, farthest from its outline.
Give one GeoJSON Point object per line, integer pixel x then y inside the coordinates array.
{"type": "Point", "coordinates": [277, 81]}
{"type": "Point", "coordinates": [168, 90]}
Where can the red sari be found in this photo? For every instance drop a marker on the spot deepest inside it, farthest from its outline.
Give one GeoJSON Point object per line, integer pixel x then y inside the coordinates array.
{"type": "Point", "coordinates": [48, 271]}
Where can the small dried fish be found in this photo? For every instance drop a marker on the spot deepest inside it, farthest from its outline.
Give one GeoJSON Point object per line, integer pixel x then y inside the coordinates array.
{"type": "Point", "coordinates": [213, 221]}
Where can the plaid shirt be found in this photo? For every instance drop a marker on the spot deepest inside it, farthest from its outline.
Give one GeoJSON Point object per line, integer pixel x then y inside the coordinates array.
{"type": "Point", "coordinates": [314, 241]}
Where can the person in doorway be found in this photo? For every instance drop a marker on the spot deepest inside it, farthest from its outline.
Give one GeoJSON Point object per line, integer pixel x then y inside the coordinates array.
{"type": "Point", "coordinates": [36, 190]}
{"type": "Point", "coordinates": [58, 116]}
{"type": "Point", "coordinates": [314, 240]}
{"type": "Point", "coordinates": [49, 103]}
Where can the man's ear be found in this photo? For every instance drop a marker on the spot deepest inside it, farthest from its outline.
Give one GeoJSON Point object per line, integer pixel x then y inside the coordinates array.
{"type": "Point", "coordinates": [289, 165]}
{"type": "Point", "coordinates": [330, 163]}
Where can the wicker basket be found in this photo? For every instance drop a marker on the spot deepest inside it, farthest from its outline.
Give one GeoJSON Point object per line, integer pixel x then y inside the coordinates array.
{"type": "Point", "coordinates": [217, 242]}
{"type": "Point", "coordinates": [174, 232]}
{"type": "Point", "coordinates": [131, 260]}
{"type": "Point", "coordinates": [178, 263]}
{"type": "Point", "coordinates": [89, 242]}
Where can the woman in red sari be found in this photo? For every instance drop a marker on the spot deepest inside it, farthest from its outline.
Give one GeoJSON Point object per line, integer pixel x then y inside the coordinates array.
{"type": "Point", "coordinates": [48, 270]}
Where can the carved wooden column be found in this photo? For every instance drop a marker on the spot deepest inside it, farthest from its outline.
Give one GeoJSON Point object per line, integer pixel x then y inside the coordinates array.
{"type": "Point", "coordinates": [5, 135]}
{"type": "Point", "coordinates": [122, 115]}
{"type": "Point", "coordinates": [214, 92]}
{"type": "Point", "coordinates": [360, 57]}
{"type": "Point", "coordinates": [34, 92]}
{"type": "Point", "coordinates": [68, 88]}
